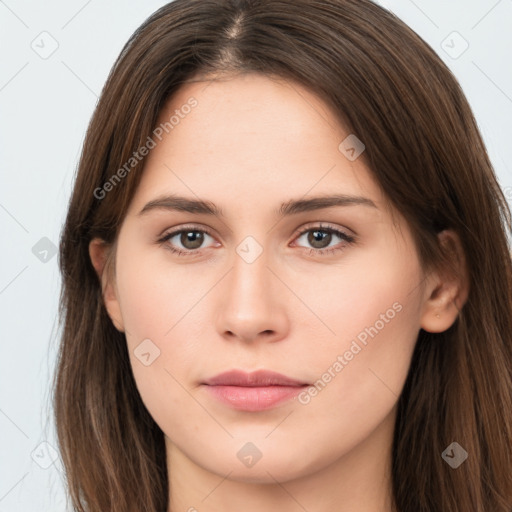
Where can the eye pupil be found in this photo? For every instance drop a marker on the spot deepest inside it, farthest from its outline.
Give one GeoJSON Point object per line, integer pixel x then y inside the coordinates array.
{"type": "Point", "coordinates": [195, 238]}
{"type": "Point", "coordinates": [317, 238]}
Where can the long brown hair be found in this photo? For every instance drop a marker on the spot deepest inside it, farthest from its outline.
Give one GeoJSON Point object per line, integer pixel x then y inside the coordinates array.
{"type": "Point", "coordinates": [423, 148]}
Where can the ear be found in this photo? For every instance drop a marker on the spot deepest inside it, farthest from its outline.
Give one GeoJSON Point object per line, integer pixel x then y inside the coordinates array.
{"type": "Point", "coordinates": [447, 288]}
{"type": "Point", "coordinates": [100, 252]}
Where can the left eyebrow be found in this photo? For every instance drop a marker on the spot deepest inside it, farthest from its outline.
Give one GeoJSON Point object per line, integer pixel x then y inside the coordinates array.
{"type": "Point", "coordinates": [291, 207]}
{"type": "Point", "coordinates": [317, 203]}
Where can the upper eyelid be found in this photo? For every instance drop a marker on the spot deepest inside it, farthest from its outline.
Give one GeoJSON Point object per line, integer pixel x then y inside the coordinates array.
{"type": "Point", "coordinates": [313, 225]}
{"type": "Point", "coordinates": [323, 226]}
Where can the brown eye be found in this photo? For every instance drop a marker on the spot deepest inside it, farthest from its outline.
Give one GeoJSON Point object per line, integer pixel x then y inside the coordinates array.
{"type": "Point", "coordinates": [320, 240]}
{"type": "Point", "coordinates": [185, 241]}
{"type": "Point", "coordinates": [191, 239]}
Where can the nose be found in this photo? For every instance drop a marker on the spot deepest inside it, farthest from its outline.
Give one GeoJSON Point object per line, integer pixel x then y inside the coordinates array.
{"type": "Point", "coordinates": [251, 305]}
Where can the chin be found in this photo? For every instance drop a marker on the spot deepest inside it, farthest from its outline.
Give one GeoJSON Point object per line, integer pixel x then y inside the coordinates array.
{"type": "Point", "coordinates": [280, 465]}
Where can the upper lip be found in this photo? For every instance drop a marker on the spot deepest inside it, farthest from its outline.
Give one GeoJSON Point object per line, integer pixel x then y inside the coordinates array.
{"type": "Point", "coordinates": [258, 378]}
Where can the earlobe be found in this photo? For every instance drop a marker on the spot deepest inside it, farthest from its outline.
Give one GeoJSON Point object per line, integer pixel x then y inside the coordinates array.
{"type": "Point", "coordinates": [447, 288]}
{"type": "Point", "coordinates": [99, 253]}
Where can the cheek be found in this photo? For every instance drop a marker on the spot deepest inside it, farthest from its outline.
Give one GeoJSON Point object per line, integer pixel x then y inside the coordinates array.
{"type": "Point", "coordinates": [375, 297]}
{"type": "Point", "coordinates": [159, 303]}
{"type": "Point", "coordinates": [360, 371]}
{"type": "Point", "coordinates": [155, 296]}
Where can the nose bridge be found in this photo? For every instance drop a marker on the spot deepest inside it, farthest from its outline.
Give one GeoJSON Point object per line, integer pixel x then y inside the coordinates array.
{"type": "Point", "coordinates": [249, 306]}
{"type": "Point", "coordinates": [249, 289]}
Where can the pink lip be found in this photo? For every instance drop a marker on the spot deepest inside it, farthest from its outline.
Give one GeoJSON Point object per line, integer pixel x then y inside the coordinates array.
{"type": "Point", "coordinates": [255, 391]}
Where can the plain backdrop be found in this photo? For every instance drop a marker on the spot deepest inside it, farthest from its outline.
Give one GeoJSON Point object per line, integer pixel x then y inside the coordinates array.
{"type": "Point", "coordinates": [55, 57]}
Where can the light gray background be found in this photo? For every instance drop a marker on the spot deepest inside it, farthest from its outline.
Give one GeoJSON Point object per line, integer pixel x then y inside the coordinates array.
{"type": "Point", "coordinates": [46, 102]}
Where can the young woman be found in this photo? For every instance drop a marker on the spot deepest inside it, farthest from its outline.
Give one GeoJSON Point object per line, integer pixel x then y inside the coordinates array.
{"type": "Point", "coordinates": [286, 277]}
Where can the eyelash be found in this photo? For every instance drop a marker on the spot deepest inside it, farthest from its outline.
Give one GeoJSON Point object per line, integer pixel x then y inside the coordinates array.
{"type": "Point", "coordinates": [348, 239]}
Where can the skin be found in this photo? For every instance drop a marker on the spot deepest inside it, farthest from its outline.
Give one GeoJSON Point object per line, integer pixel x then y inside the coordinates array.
{"type": "Point", "coordinates": [250, 144]}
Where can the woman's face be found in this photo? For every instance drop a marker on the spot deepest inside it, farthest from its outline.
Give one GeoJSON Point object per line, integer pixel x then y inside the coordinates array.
{"type": "Point", "coordinates": [302, 271]}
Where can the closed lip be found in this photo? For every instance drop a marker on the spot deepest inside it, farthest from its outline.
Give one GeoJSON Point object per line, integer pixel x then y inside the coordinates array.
{"type": "Point", "coordinates": [259, 378]}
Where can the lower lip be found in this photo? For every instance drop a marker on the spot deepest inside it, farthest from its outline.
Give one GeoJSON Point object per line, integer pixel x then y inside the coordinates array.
{"type": "Point", "coordinates": [254, 398]}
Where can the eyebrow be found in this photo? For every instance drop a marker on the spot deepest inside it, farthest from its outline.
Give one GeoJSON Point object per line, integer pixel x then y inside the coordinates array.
{"type": "Point", "coordinates": [291, 207]}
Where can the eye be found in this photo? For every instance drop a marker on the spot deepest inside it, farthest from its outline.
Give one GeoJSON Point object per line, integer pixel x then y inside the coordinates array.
{"type": "Point", "coordinates": [191, 239]}
{"type": "Point", "coordinates": [320, 238]}
{"type": "Point", "coordinates": [188, 240]}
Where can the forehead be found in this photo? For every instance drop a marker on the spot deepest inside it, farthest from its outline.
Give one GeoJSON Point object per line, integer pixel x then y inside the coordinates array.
{"type": "Point", "coordinates": [251, 138]}
{"type": "Point", "coordinates": [255, 109]}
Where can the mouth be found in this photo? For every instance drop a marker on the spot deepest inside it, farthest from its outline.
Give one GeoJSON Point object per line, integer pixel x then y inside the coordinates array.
{"type": "Point", "coordinates": [252, 392]}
